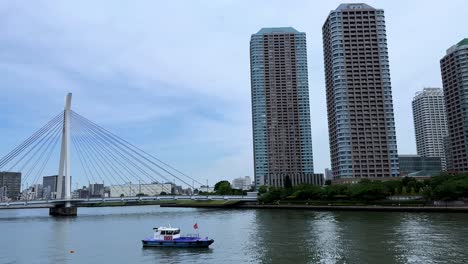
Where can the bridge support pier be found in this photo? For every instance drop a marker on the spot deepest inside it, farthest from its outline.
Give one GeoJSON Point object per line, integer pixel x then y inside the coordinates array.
{"type": "Point", "coordinates": [63, 211]}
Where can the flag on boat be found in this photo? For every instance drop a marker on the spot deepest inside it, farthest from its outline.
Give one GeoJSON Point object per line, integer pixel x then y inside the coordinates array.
{"type": "Point", "coordinates": [195, 226]}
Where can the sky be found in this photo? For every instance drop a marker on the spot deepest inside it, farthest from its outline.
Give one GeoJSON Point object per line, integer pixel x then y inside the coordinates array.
{"type": "Point", "coordinates": [173, 77]}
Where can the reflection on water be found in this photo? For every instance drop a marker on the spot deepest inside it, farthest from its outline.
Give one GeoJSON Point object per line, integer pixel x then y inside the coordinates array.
{"type": "Point", "coordinates": [427, 238]}
{"type": "Point", "coordinates": [113, 235]}
{"type": "Point", "coordinates": [324, 238]}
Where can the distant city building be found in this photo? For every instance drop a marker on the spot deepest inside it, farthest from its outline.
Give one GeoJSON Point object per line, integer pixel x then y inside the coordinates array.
{"type": "Point", "coordinates": [430, 123]}
{"type": "Point", "coordinates": [280, 106]}
{"type": "Point", "coordinates": [34, 192]}
{"type": "Point", "coordinates": [96, 190]}
{"type": "Point", "coordinates": [242, 183]}
{"type": "Point", "coordinates": [415, 165]}
{"type": "Point", "coordinates": [205, 188]}
{"type": "Point", "coordinates": [49, 186]}
{"type": "Point", "coordinates": [454, 68]}
{"type": "Point", "coordinates": [328, 175]}
{"type": "Point", "coordinates": [301, 178]}
{"type": "Point", "coordinates": [132, 189]}
{"type": "Point", "coordinates": [10, 182]}
{"type": "Point", "coordinates": [361, 122]}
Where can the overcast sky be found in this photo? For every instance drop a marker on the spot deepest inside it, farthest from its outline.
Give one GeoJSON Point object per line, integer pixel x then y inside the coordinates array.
{"type": "Point", "coordinates": [173, 77]}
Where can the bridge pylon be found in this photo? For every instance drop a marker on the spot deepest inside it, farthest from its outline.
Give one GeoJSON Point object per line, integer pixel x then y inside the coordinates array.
{"type": "Point", "coordinates": [64, 166]}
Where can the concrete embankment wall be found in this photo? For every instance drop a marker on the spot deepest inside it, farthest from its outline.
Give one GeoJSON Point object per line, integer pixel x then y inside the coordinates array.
{"type": "Point", "coordinates": [334, 208]}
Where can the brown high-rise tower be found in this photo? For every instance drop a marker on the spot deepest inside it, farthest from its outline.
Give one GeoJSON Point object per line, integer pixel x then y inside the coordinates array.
{"type": "Point", "coordinates": [454, 67]}
{"type": "Point", "coordinates": [280, 107]}
{"type": "Point", "coordinates": [359, 97]}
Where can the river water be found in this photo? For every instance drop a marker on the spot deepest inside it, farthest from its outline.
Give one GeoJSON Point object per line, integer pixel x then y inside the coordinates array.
{"type": "Point", "coordinates": [113, 235]}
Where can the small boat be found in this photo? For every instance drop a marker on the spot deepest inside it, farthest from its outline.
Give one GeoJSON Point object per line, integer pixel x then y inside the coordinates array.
{"type": "Point", "coordinates": [170, 237]}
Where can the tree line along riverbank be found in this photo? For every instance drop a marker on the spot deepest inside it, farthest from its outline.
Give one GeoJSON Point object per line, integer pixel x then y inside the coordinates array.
{"type": "Point", "coordinates": [445, 188]}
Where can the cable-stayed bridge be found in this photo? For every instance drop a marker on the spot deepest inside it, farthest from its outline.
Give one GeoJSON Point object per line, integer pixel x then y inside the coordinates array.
{"type": "Point", "coordinates": [99, 156]}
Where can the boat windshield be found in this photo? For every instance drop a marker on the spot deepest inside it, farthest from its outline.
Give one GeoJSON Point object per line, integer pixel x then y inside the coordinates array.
{"type": "Point", "coordinates": [170, 232]}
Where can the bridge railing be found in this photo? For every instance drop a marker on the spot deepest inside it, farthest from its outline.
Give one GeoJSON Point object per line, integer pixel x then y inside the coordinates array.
{"type": "Point", "coordinates": [134, 198]}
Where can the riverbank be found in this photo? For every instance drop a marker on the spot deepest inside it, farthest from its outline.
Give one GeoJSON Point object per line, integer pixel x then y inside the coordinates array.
{"type": "Point", "coordinates": [377, 208]}
{"type": "Point", "coordinates": [181, 203]}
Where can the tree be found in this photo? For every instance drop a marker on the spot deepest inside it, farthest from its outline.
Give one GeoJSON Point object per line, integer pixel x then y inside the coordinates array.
{"type": "Point", "coordinates": [395, 191]}
{"type": "Point", "coordinates": [163, 193]}
{"type": "Point", "coordinates": [412, 191]}
{"type": "Point", "coordinates": [216, 187]}
{"type": "Point", "coordinates": [122, 195]}
{"type": "Point", "coordinates": [403, 191]}
{"type": "Point", "coordinates": [368, 191]}
{"type": "Point", "coordinates": [421, 191]}
{"type": "Point", "coordinates": [328, 182]}
{"type": "Point", "coordinates": [262, 189]}
{"type": "Point", "coordinates": [224, 188]}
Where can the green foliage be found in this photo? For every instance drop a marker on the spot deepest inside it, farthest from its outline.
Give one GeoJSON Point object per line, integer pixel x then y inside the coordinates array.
{"type": "Point", "coordinates": [392, 187]}
{"type": "Point", "coordinates": [444, 187]}
{"type": "Point", "coordinates": [450, 187]}
{"type": "Point", "coordinates": [273, 194]}
{"type": "Point", "coordinates": [224, 188]}
{"type": "Point", "coordinates": [336, 191]}
{"type": "Point", "coordinates": [403, 191]}
{"type": "Point", "coordinates": [307, 191]}
{"type": "Point", "coordinates": [262, 189]}
{"type": "Point", "coordinates": [328, 182]}
{"type": "Point", "coordinates": [218, 184]}
{"type": "Point", "coordinates": [163, 193]}
{"type": "Point", "coordinates": [122, 195]}
{"type": "Point", "coordinates": [367, 191]}
{"type": "Point", "coordinates": [141, 194]}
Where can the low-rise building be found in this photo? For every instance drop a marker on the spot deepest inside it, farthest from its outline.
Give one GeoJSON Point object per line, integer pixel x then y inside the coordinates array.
{"type": "Point", "coordinates": [205, 188]}
{"type": "Point", "coordinates": [416, 166]}
{"type": "Point", "coordinates": [131, 189]}
{"type": "Point", "coordinates": [242, 183]}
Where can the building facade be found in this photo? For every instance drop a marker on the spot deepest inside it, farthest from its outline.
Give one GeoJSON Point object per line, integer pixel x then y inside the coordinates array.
{"type": "Point", "coordinates": [96, 190]}
{"type": "Point", "coordinates": [430, 123]}
{"type": "Point", "coordinates": [454, 68]}
{"type": "Point", "coordinates": [132, 189]}
{"type": "Point", "coordinates": [280, 105]}
{"type": "Point", "coordinates": [242, 183]}
{"type": "Point", "coordinates": [328, 174]}
{"type": "Point", "coordinates": [10, 182]}
{"type": "Point", "coordinates": [361, 122]}
{"type": "Point", "coordinates": [49, 186]}
{"type": "Point", "coordinates": [417, 166]}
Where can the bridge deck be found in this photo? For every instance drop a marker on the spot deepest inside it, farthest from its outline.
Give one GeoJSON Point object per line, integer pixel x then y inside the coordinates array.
{"type": "Point", "coordinates": [126, 200]}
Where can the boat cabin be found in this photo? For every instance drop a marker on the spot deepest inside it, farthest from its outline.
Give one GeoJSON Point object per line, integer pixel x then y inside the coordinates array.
{"type": "Point", "coordinates": [166, 233]}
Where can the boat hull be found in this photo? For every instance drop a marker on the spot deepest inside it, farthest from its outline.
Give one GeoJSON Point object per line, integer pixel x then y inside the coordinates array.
{"type": "Point", "coordinates": [183, 242]}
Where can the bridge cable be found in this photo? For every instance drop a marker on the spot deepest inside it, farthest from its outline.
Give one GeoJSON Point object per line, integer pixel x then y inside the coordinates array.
{"type": "Point", "coordinates": [39, 141]}
{"type": "Point", "coordinates": [110, 150]}
{"type": "Point", "coordinates": [47, 145]}
{"type": "Point", "coordinates": [119, 140]}
{"type": "Point", "coordinates": [25, 144]}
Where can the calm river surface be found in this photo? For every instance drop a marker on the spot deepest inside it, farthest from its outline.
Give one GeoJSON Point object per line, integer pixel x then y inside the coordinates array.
{"type": "Point", "coordinates": [112, 235]}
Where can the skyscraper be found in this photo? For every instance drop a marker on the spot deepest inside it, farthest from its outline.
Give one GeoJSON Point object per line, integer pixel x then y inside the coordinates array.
{"type": "Point", "coordinates": [10, 182]}
{"type": "Point", "coordinates": [430, 123]}
{"type": "Point", "coordinates": [454, 67]}
{"type": "Point", "coordinates": [359, 96]}
{"type": "Point", "coordinates": [280, 107]}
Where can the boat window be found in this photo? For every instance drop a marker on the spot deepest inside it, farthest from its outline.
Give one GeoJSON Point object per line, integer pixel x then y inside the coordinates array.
{"type": "Point", "coordinates": [176, 232]}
